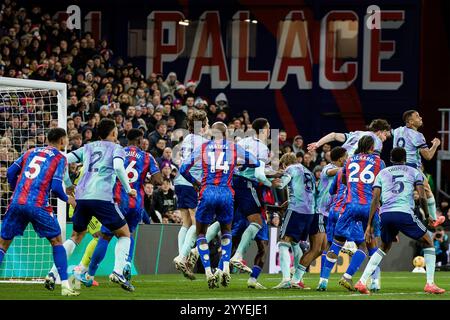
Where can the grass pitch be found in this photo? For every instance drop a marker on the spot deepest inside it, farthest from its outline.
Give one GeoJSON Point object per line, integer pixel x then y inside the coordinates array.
{"type": "Point", "coordinates": [394, 286]}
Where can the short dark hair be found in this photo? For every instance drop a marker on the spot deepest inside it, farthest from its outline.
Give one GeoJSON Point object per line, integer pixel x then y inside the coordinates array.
{"type": "Point", "coordinates": [379, 125]}
{"type": "Point", "coordinates": [407, 115]}
{"type": "Point", "coordinates": [398, 155]}
{"type": "Point", "coordinates": [365, 144]}
{"type": "Point", "coordinates": [134, 134]}
{"type": "Point", "coordinates": [160, 123]}
{"type": "Point", "coordinates": [300, 154]}
{"type": "Point", "coordinates": [259, 124]}
{"type": "Point", "coordinates": [337, 153]}
{"type": "Point", "coordinates": [105, 127]}
{"type": "Point", "coordinates": [55, 134]}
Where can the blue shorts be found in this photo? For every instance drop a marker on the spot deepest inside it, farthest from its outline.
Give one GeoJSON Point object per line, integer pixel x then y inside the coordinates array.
{"type": "Point", "coordinates": [240, 223]}
{"type": "Point", "coordinates": [356, 234]}
{"type": "Point", "coordinates": [108, 213]}
{"type": "Point", "coordinates": [318, 224]}
{"type": "Point", "coordinates": [296, 225]}
{"type": "Point", "coordinates": [347, 221]}
{"type": "Point", "coordinates": [187, 197]}
{"type": "Point", "coordinates": [18, 216]}
{"type": "Point", "coordinates": [215, 202]}
{"type": "Point", "coordinates": [393, 222]}
{"type": "Point", "coordinates": [132, 217]}
{"type": "Point", "coordinates": [246, 199]}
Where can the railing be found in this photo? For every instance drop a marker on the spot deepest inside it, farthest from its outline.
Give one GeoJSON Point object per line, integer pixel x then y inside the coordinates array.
{"type": "Point", "coordinates": [444, 152]}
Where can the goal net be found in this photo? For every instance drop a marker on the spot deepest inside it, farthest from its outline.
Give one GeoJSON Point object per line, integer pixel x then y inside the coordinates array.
{"type": "Point", "coordinates": [28, 110]}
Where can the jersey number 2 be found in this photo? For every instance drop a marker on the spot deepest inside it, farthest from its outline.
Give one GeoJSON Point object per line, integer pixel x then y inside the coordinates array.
{"type": "Point", "coordinates": [95, 157]}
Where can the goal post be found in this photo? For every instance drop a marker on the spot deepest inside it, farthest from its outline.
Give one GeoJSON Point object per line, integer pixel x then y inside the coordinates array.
{"type": "Point", "coordinates": [28, 109]}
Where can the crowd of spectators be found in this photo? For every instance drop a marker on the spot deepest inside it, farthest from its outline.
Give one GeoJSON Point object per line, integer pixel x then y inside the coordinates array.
{"type": "Point", "coordinates": [103, 85]}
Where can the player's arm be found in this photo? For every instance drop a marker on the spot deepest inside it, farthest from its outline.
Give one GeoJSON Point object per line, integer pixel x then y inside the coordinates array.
{"type": "Point", "coordinates": [334, 186]}
{"type": "Point", "coordinates": [428, 153]}
{"type": "Point", "coordinates": [189, 163]}
{"type": "Point", "coordinates": [332, 172]}
{"type": "Point", "coordinates": [76, 156]}
{"type": "Point", "coordinates": [156, 176]}
{"type": "Point", "coordinates": [333, 136]}
{"type": "Point", "coordinates": [57, 183]}
{"type": "Point", "coordinates": [376, 195]}
{"type": "Point", "coordinates": [13, 172]}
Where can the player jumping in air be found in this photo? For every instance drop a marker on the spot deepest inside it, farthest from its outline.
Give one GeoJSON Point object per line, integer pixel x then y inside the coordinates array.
{"type": "Point", "coordinates": [360, 172]}
{"type": "Point", "coordinates": [298, 219]}
{"type": "Point", "coordinates": [218, 159]}
{"type": "Point", "coordinates": [32, 176]}
{"type": "Point", "coordinates": [138, 165]}
{"type": "Point", "coordinates": [103, 161]}
{"type": "Point", "coordinates": [394, 187]}
{"type": "Point", "coordinates": [414, 142]}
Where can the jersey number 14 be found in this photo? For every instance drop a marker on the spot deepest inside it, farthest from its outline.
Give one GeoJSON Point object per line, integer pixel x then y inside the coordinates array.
{"type": "Point", "coordinates": [218, 164]}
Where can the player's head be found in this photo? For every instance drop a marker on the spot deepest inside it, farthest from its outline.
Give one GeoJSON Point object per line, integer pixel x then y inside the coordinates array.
{"type": "Point", "coordinates": [134, 137]}
{"type": "Point", "coordinates": [381, 128]}
{"type": "Point", "coordinates": [366, 145]}
{"type": "Point", "coordinates": [338, 156]}
{"type": "Point", "coordinates": [261, 127]}
{"type": "Point", "coordinates": [412, 118]}
{"type": "Point", "coordinates": [398, 155]}
{"type": "Point", "coordinates": [288, 159]}
{"type": "Point", "coordinates": [57, 137]}
{"type": "Point", "coordinates": [107, 130]}
{"type": "Point", "coordinates": [219, 130]}
{"type": "Point", "coordinates": [201, 118]}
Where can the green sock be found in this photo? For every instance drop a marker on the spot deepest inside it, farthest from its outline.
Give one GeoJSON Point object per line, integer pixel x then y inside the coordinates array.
{"type": "Point", "coordinates": [213, 231]}
{"type": "Point", "coordinates": [247, 237]}
{"type": "Point", "coordinates": [430, 263]}
{"type": "Point", "coordinates": [89, 252]}
{"type": "Point", "coordinates": [432, 207]}
{"type": "Point", "coordinates": [285, 260]}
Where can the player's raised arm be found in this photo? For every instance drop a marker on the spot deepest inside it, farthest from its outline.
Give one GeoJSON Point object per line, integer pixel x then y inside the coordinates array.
{"type": "Point", "coordinates": [428, 153]}
{"type": "Point", "coordinates": [13, 171]}
{"type": "Point", "coordinates": [333, 136]}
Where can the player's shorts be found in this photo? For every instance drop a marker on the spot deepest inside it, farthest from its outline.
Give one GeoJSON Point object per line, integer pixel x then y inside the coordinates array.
{"type": "Point", "coordinates": [318, 224]}
{"type": "Point", "coordinates": [393, 222]}
{"type": "Point", "coordinates": [296, 225]}
{"type": "Point", "coordinates": [187, 197]}
{"type": "Point", "coordinates": [356, 234]}
{"type": "Point", "coordinates": [18, 216]}
{"type": "Point", "coordinates": [132, 216]}
{"type": "Point", "coordinates": [246, 199]}
{"type": "Point", "coordinates": [94, 226]}
{"type": "Point", "coordinates": [240, 223]}
{"type": "Point", "coordinates": [108, 213]}
{"type": "Point", "coordinates": [215, 202]}
{"type": "Point", "coordinates": [352, 214]}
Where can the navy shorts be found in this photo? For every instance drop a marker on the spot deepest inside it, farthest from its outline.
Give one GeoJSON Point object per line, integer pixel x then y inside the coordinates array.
{"type": "Point", "coordinates": [393, 222]}
{"type": "Point", "coordinates": [346, 225]}
{"type": "Point", "coordinates": [318, 224]}
{"type": "Point", "coordinates": [132, 217]}
{"type": "Point", "coordinates": [246, 199]}
{"type": "Point", "coordinates": [187, 197]}
{"type": "Point", "coordinates": [296, 225]}
{"type": "Point", "coordinates": [18, 216]}
{"type": "Point", "coordinates": [240, 223]}
{"type": "Point", "coordinates": [215, 202]}
{"type": "Point", "coordinates": [108, 213]}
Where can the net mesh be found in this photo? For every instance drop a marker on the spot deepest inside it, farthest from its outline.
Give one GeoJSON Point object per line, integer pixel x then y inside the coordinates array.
{"type": "Point", "coordinates": [26, 115]}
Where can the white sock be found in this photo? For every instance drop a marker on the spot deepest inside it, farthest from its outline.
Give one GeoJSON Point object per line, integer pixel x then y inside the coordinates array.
{"type": "Point", "coordinates": [70, 246]}
{"type": "Point", "coordinates": [373, 263]}
{"type": "Point", "coordinates": [189, 241]}
{"type": "Point", "coordinates": [181, 237]}
{"type": "Point", "coordinates": [285, 260]}
{"type": "Point", "coordinates": [208, 271]}
{"type": "Point", "coordinates": [213, 231]}
{"type": "Point", "coordinates": [65, 283]}
{"type": "Point", "coordinates": [430, 263]}
{"type": "Point", "coordinates": [121, 254]}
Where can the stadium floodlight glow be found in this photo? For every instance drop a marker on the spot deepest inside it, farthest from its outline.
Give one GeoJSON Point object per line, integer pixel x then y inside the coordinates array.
{"type": "Point", "coordinates": [247, 20]}
{"type": "Point", "coordinates": [184, 22]}
{"type": "Point", "coordinates": [254, 21]}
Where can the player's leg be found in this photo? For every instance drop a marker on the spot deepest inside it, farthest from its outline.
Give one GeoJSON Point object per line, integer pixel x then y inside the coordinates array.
{"type": "Point", "coordinates": [186, 223]}
{"type": "Point", "coordinates": [211, 233]}
{"type": "Point", "coordinates": [94, 227]}
{"type": "Point", "coordinates": [13, 224]}
{"type": "Point", "coordinates": [189, 242]}
{"type": "Point", "coordinates": [258, 264]}
{"type": "Point", "coordinates": [431, 203]}
{"type": "Point", "coordinates": [224, 212]}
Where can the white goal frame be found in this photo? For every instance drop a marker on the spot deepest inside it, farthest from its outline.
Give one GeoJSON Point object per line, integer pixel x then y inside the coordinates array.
{"type": "Point", "coordinates": [61, 89]}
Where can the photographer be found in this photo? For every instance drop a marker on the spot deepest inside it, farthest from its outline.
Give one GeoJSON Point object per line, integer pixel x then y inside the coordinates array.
{"type": "Point", "coordinates": [440, 239]}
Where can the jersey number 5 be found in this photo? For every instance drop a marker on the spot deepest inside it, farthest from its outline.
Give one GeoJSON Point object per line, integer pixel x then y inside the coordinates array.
{"type": "Point", "coordinates": [35, 164]}
{"type": "Point", "coordinates": [216, 164]}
